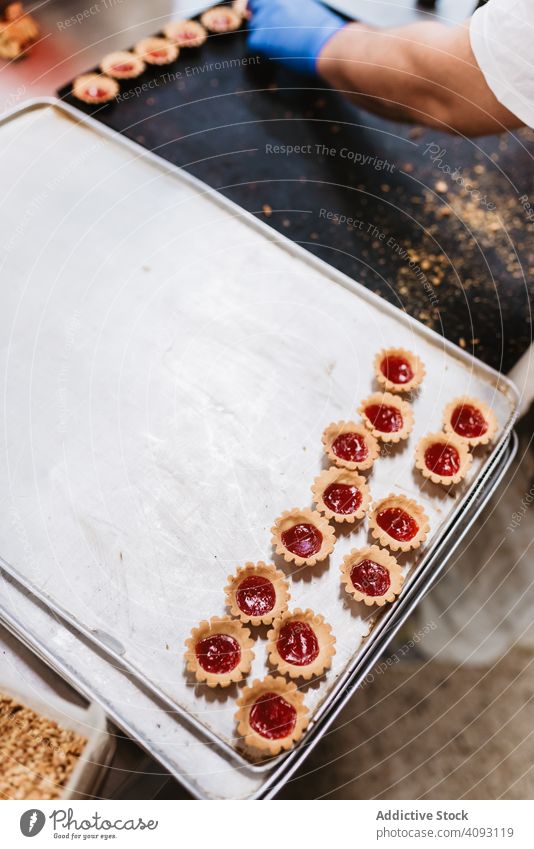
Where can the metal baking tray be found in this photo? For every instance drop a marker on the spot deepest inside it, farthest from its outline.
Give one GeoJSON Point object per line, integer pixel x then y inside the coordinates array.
{"type": "Point", "coordinates": [201, 768]}
{"type": "Point", "coordinates": [171, 364]}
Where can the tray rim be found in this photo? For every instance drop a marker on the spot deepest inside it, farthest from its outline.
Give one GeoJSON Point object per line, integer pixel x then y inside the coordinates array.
{"type": "Point", "coordinates": [335, 276]}
{"type": "Point", "coordinates": [280, 775]}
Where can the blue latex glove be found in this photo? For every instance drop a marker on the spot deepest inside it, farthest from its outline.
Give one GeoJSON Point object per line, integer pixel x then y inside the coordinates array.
{"type": "Point", "coordinates": [294, 31]}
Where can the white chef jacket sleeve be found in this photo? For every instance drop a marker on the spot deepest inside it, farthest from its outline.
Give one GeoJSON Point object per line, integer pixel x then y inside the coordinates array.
{"type": "Point", "coordinates": [502, 35]}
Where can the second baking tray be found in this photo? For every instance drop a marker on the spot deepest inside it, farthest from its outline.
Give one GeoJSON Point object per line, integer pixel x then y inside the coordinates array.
{"type": "Point", "coordinates": [171, 366]}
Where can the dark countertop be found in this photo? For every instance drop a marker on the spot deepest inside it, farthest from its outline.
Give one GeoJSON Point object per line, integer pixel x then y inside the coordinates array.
{"type": "Point", "coordinates": [439, 227]}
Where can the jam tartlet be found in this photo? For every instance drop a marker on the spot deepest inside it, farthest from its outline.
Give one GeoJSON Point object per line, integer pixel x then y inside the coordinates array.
{"type": "Point", "coordinates": [387, 416]}
{"type": "Point", "coordinates": [301, 644]}
{"type": "Point", "coordinates": [95, 88]}
{"type": "Point", "coordinates": [272, 715]}
{"type": "Point", "coordinates": [122, 65]}
{"type": "Point", "coordinates": [399, 523]}
{"type": "Point", "coordinates": [258, 593]}
{"type": "Point", "coordinates": [442, 458]}
{"type": "Point", "coordinates": [341, 495]}
{"type": "Point", "coordinates": [470, 420]}
{"type": "Point", "coordinates": [350, 445]}
{"type": "Point", "coordinates": [221, 19]}
{"type": "Point", "coordinates": [186, 33]}
{"type": "Point", "coordinates": [371, 575]}
{"type": "Point", "coordinates": [219, 652]}
{"type": "Point", "coordinates": [157, 51]}
{"type": "Point", "coordinates": [303, 537]}
{"type": "Point", "coordinates": [398, 370]}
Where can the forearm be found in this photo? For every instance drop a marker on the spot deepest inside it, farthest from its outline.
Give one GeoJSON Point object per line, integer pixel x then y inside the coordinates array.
{"type": "Point", "coordinates": [424, 73]}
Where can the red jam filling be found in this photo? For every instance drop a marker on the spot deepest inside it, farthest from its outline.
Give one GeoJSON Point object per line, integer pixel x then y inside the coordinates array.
{"type": "Point", "coordinates": [396, 369]}
{"type": "Point", "coordinates": [158, 53]}
{"type": "Point", "coordinates": [468, 421]}
{"type": "Point", "coordinates": [397, 523]}
{"type": "Point", "coordinates": [442, 459]}
{"type": "Point", "coordinates": [218, 654]}
{"type": "Point", "coordinates": [96, 91]}
{"type": "Point", "coordinates": [188, 34]}
{"type": "Point", "coordinates": [370, 578]}
{"type": "Point", "coordinates": [384, 418]}
{"type": "Point", "coordinates": [297, 643]}
{"type": "Point", "coordinates": [255, 596]}
{"type": "Point", "coordinates": [302, 540]}
{"type": "Point", "coordinates": [351, 447]}
{"type": "Point", "coordinates": [221, 21]}
{"type": "Point", "coordinates": [123, 68]}
{"type": "Point", "coordinates": [342, 498]}
{"type": "Point", "coordinates": [272, 717]}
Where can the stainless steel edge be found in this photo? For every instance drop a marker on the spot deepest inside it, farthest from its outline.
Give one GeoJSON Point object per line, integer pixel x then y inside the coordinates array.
{"type": "Point", "coordinates": [389, 620]}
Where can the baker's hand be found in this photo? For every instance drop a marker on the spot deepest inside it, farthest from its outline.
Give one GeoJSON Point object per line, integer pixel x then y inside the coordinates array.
{"type": "Point", "coordinates": [293, 31]}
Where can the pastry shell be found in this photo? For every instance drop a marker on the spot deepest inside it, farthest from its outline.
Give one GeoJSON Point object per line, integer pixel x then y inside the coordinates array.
{"type": "Point", "coordinates": [486, 411]}
{"type": "Point", "coordinates": [337, 475]}
{"type": "Point", "coordinates": [209, 19]}
{"type": "Point", "coordinates": [451, 439]}
{"type": "Point", "coordinates": [110, 62]}
{"type": "Point", "coordinates": [410, 506]}
{"type": "Point", "coordinates": [175, 29]}
{"type": "Point", "coordinates": [288, 691]}
{"type": "Point", "coordinates": [220, 625]}
{"type": "Point", "coordinates": [262, 570]}
{"type": "Point", "coordinates": [336, 429]}
{"type": "Point", "coordinates": [325, 638]}
{"type": "Point", "coordinates": [82, 85]}
{"type": "Point", "coordinates": [144, 49]}
{"type": "Point", "coordinates": [304, 516]}
{"type": "Point", "coordinates": [383, 558]}
{"type": "Point", "coordinates": [416, 364]}
{"type": "Point", "coordinates": [389, 400]}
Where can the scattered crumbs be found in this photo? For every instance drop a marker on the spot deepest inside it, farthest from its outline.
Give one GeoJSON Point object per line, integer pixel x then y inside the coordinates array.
{"type": "Point", "coordinates": [167, 647]}
{"type": "Point", "coordinates": [286, 222]}
{"type": "Point", "coordinates": [314, 236]}
{"type": "Point", "coordinates": [415, 133]}
{"type": "Point", "coordinates": [267, 210]}
{"type": "Point", "coordinates": [408, 167]}
{"type": "Point", "coordinates": [150, 101]}
{"type": "Point", "coordinates": [385, 188]}
{"type": "Point", "coordinates": [441, 186]}
{"type": "Point", "coordinates": [461, 342]}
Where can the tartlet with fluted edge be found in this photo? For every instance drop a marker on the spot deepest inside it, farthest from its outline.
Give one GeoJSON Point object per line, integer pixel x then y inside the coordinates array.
{"type": "Point", "coordinates": [471, 420]}
{"type": "Point", "coordinates": [157, 51]}
{"type": "Point", "coordinates": [443, 458]}
{"type": "Point", "coordinates": [341, 494]}
{"type": "Point", "coordinates": [350, 445]}
{"type": "Point", "coordinates": [398, 523]}
{"type": "Point", "coordinates": [371, 575]}
{"type": "Point", "coordinates": [221, 19]}
{"type": "Point", "coordinates": [185, 33]}
{"type": "Point", "coordinates": [122, 65]}
{"type": "Point", "coordinates": [388, 417]}
{"type": "Point", "coordinates": [398, 370]}
{"type": "Point", "coordinates": [271, 715]}
{"type": "Point", "coordinates": [303, 536]}
{"type": "Point", "coordinates": [301, 644]}
{"type": "Point", "coordinates": [257, 594]}
{"type": "Point", "coordinates": [95, 88]}
{"type": "Point", "coordinates": [219, 651]}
